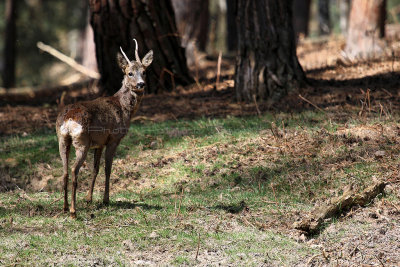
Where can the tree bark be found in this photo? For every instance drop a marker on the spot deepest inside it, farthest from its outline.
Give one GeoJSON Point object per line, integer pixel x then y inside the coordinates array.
{"type": "Point", "coordinates": [152, 23]}
{"type": "Point", "coordinates": [10, 49]}
{"type": "Point", "coordinates": [267, 65]}
{"type": "Point", "coordinates": [301, 16]}
{"type": "Point", "coordinates": [366, 28]}
{"type": "Point", "coordinates": [231, 25]}
{"type": "Point", "coordinates": [324, 18]}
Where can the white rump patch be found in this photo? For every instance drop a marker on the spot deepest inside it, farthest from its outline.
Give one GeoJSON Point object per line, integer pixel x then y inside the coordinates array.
{"type": "Point", "coordinates": [71, 127]}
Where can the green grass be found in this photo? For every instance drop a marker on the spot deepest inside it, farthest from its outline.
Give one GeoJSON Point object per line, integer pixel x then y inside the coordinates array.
{"type": "Point", "coordinates": [226, 189]}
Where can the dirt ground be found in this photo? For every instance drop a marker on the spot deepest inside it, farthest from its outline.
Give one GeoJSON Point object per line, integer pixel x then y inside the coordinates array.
{"type": "Point", "coordinates": [333, 84]}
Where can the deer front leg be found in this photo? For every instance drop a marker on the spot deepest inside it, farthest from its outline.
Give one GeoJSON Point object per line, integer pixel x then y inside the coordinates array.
{"type": "Point", "coordinates": [96, 165]}
{"type": "Point", "coordinates": [81, 152]}
{"type": "Point", "coordinates": [109, 155]}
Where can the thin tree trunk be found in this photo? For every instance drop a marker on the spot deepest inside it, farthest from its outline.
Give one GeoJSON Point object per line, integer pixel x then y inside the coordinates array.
{"type": "Point", "coordinates": [10, 49]}
{"type": "Point", "coordinates": [366, 28]}
{"type": "Point", "coordinates": [192, 18]}
{"type": "Point", "coordinates": [301, 16]}
{"type": "Point", "coordinates": [267, 65]}
{"type": "Point", "coordinates": [231, 24]}
{"type": "Point", "coordinates": [344, 9]}
{"type": "Point", "coordinates": [218, 27]}
{"type": "Point", "coordinates": [324, 18]}
{"type": "Point", "coordinates": [88, 47]}
{"type": "Point", "coordinates": [152, 23]}
{"type": "Point", "coordinates": [382, 19]}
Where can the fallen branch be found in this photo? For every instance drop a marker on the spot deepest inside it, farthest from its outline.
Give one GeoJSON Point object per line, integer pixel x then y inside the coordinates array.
{"type": "Point", "coordinates": [314, 221]}
{"type": "Point", "coordinates": [312, 104]}
{"type": "Point", "coordinates": [142, 118]}
{"type": "Point", "coordinates": [70, 61]}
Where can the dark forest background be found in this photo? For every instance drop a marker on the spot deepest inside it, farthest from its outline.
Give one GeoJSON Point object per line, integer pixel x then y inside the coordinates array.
{"type": "Point", "coordinates": [63, 25]}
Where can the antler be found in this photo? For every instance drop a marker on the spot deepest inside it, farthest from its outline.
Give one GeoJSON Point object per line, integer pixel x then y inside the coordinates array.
{"type": "Point", "coordinates": [136, 51]}
{"type": "Point", "coordinates": [127, 59]}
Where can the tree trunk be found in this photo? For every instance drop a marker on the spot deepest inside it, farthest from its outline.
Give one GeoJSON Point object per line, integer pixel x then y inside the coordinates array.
{"type": "Point", "coordinates": [267, 65]}
{"type": "Point", "coordinates": [301, 16]}
{"type": "Point", "coordinates": [366, 27]}
{"type": "Point", "coordinates": [192, 18]}
{"type": "Point", "coordinates": [324, 18]}
{"type": "Point", "coordinates": [218, 27]}
{"type": "Point", "coordinates": [88, 53]}
{"type": "Point", "coordinates": [152, 23]}
{"type": "Point", "coordinates": [192, 21]}
{"type": "Point", "coordinates": [231, 25]}
{"type": "Point", "coordinates": [10, 49]}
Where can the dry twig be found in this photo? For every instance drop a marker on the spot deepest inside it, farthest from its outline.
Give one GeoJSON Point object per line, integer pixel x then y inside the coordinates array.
{"type": "Point", "coordinates": [198, 247]}
{"type": "Point", "coordinates": [218, 69]}
{"type": "Point", "coordinates": [312, 104]}
{"type": "Point", "coordinates": [144, 215]}
{"type": "Point", "coordinates": [180, 202]}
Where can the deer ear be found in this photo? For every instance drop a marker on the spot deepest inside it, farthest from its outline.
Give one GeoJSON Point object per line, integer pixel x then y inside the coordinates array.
{"type": "Point", "coordinates": [122, 63]}
{"type": "Point", "coordinates": [148, 58]}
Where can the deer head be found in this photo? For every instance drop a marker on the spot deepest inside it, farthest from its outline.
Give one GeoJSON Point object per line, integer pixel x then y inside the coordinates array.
{"type": "Point", "coordinates": [135, 70]}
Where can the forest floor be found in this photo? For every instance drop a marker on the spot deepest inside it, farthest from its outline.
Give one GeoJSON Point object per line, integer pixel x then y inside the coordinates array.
{"type": "Point", "coordinates": [203, 180]}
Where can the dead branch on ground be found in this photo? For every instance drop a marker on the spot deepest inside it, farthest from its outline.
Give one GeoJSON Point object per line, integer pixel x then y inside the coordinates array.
{"type": "Point", "coordinates": [312, 223]}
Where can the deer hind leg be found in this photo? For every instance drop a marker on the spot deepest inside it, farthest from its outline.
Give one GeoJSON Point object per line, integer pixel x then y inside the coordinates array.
{"type": "Point", "coordinates": [64, 148]}
{"type": "Point", "coordinates": [96, 165]}
{"type": "Point", "coordinates": [81, 149]}
{"type": "Point", "coordinates": [109, 155]}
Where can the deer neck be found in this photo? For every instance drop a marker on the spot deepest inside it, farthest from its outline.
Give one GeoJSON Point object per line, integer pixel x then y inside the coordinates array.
{"type": "Point", "coordinates": [129, 101]}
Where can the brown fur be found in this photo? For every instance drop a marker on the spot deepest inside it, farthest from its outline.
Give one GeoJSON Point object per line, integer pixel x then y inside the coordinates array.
{"type": "Point", "coordinates": [99, 123]}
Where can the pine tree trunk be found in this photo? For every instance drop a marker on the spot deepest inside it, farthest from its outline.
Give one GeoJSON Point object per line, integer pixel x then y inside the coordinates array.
{"type": "Point", "coordinates": [301, 16]}
{"type": "Point", "coordinates": [152, 23]}
{"type": "Point", "coordinates": [10, 39]}
{"type": "Point", "coordinates": [366, 28]}
{"type": "Point", "coordinates": [267, 65]}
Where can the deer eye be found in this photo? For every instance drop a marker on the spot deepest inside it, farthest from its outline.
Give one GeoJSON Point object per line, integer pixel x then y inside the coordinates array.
{"type": "Point", "coordinates": [130, 74]}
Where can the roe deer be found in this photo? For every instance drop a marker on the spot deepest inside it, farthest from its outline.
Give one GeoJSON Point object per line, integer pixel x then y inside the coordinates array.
{"type": "Point", "coordinates": [100, 123]}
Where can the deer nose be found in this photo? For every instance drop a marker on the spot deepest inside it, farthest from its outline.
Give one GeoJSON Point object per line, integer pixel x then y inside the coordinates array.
{"type": "Point", "coordinates": [140, 85]}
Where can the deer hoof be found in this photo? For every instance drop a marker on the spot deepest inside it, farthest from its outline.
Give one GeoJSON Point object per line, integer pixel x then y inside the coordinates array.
{"type": "Point", "coordinates": [73, 215]}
